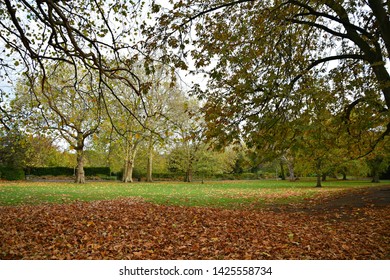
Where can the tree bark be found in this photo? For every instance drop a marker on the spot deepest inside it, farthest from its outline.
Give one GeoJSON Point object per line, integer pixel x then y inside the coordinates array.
{"type": "Point", "coordinates": [128, 171]}
{"type": "Point", "coordinates": [290, 166]}
{"type": "Point", "coordinates": [80, 175]}
{"type": "Point", "coordinates": [130, 153]}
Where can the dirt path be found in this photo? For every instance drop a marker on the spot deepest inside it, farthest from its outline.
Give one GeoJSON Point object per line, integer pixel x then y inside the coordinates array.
{"type": "Point", "coordinates": [373, 197]}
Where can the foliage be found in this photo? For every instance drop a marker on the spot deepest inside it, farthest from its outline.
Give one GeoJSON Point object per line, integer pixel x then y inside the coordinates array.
{"type": "Point", "coordinates": [13, 149]}
{"type": "Point", "coordinates": [44, 151]}
{"type": "Point", "coordinates": [264, 60]}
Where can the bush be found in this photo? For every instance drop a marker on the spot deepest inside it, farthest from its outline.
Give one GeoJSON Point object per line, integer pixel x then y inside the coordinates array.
{"type": "Point", "coordinates": [12, 174]}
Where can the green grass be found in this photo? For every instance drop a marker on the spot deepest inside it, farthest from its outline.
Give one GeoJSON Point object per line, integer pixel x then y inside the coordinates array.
{"type": "Point", "coordinates": [230, 194]}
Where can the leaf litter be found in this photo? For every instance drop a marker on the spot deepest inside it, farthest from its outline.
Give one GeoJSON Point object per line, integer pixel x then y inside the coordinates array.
{"type": "Point", "coordinates": [134, 229]}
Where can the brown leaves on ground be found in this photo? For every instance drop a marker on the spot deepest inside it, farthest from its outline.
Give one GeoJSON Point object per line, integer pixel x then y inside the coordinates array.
{"type": "Point", "coordinates": [129, 229]}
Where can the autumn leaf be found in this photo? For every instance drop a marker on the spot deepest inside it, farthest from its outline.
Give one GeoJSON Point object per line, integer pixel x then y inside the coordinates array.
{"type": "Point", "coordinates": [128, 229]}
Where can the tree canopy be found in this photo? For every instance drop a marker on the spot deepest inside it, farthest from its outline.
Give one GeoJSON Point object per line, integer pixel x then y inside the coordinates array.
{"type": "Point", "coordinates": [262, 58]}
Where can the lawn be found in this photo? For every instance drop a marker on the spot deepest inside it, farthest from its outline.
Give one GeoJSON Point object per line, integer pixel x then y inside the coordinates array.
{"type": "Point", "coordinates": [227, 194]}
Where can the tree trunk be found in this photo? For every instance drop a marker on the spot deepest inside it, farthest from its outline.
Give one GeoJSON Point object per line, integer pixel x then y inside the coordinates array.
{"type": "Point", "coordinates": [128, 171]}
{"type": "Point", "coordinates": [375, 177]}
{"type": "Point", "coordinates": [290, 166]}
{"type": "Point", "coordinates": [189, 171]}
{"type": "Point", "coordinates": [188, 176]}
{"type": "Point", "coordinates": [318, 185]}
{"type": "Point", "coordinates": [323, 177]}
{"type": "Point", "coordinates": [130, 153]}
{"type": "Point", "coordinates": [283, 176]}
{"type": "Point", "coordinates": [149, 168]}
{"type": "Point", "coordinates": [80, 175]}
{"type": "Point", "coordinates": [318, 167]}
{"type": "Point", "coordinates": [375, 166]}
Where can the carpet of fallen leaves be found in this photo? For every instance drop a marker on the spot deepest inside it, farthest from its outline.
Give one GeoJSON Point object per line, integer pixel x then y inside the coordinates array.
{"type": "Point", "coordinates": [133, 229]}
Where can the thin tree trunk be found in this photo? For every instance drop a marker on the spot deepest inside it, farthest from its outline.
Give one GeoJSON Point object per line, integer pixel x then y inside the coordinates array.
{"type": "Point", "coordinates": [318, 167]}
{"type": "Point", "coordinates": [149, 169]}
{"type": "Point", "coordinates": [188, 176]}
{"type": "Point", "coordinates": [282, 174]}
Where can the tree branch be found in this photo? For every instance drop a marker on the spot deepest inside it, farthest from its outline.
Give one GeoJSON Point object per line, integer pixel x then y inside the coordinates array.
{"type": "Point", "coordinates": [221, 6]}
{"type": "Point", "coordinates": [383, 19]}
{"type": "Point", "coordinates": [327, 59]}
{"type": "Point", "coordinates": [313, 12]}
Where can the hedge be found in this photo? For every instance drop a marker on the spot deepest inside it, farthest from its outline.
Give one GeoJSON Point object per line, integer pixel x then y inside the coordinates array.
{"type": "Point", "coordinates": [95, 171]}
{"type": "Point", "coordinates": [66, 171]}
{"type": "Point", "coordinates": [11, 173]}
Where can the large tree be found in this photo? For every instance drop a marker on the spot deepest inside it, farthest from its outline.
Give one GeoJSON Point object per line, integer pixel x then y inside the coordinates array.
{"type": "Point", "coordinates": [258, 54]}
{"type": "Point", "coordinates": [66, 106]}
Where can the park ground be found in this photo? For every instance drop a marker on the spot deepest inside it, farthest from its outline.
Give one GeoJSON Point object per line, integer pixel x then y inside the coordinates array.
{"type": "Point", "coordinates": [222, 220]}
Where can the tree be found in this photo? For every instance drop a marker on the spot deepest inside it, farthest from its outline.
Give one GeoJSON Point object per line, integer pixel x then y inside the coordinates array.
{"type": "Point", "coordinates": [188, 128]}
{"type": "Point", "coordinates": [159, 105]}
{"type": "Point", "coordinates": [128, 131]}
{"type": "Point", "coordinates": [13, 149]}
{"type": "Point", "coordinates": [43, 151]}
{"type": "Point", "coordinates": [378, 162]}
{"type": "Point", "coordinates": [257, 55]}
{"type": "Point", "coordinates": [68, 107]}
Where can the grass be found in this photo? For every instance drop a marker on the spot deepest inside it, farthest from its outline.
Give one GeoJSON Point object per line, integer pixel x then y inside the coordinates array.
{"type": "Point", "coordinates": [231, 194]}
